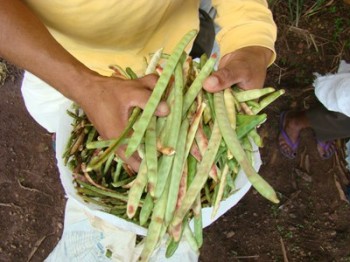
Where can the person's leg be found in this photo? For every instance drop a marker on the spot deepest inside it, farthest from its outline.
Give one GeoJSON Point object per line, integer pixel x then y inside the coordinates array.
{"type": "Point", "coordinates": [291, 124]}
{"type": "Point", "coordinates": [328, 125]}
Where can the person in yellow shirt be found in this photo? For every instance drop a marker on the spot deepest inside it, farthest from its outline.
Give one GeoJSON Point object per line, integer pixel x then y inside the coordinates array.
{"type": "Point", "coordinates": [65, 47]}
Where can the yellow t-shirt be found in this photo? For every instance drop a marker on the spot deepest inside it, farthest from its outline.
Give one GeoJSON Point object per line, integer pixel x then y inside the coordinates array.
{"type": "Point", "coordinates": [100, 33]}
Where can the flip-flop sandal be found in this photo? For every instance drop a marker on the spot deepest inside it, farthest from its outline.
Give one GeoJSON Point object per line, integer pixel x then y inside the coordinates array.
{"type": "Point", "coordinates": [293, 146]}
{"type": "Point", "coordinates": [328, 148]}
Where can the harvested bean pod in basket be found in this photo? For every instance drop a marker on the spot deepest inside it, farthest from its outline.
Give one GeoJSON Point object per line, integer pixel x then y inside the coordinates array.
{"type": "Point", "coordinates": [190, 159]}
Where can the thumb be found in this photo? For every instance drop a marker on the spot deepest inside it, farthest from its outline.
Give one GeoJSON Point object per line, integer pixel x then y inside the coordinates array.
{"type": "Point", "coordinates": [219, 80]}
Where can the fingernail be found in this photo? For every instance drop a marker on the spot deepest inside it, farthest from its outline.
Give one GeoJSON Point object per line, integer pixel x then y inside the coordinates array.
{"type": "Point", "coordinates": [163, 109]}
{"type": "Point", "coordinates": [212, 81]}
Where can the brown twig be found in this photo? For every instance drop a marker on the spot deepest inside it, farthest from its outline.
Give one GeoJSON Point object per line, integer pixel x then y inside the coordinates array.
{"type": "Point", "coordinates": [9, 205]}
{"type": "Point", "coordinates": [37, 245]}
{"type": "Point", "coordinates": [280, 72]}
{"type": "Point", "coordinates": [343, 172]}
{"type": "Point", "coordinates": [309, 38]}
{"type": "Point", "coordinates": [32, 189]}
{"type": "Point", "coordinates": [284, 252]}
{"type": "Point", "coordinates": [90, 180]}
{"type": "Point", "coordinates": [340, 190]}
{"type": "Point", "coordinates": [247, 257]}
{"type": "Point", "coordinates": [290, 199]}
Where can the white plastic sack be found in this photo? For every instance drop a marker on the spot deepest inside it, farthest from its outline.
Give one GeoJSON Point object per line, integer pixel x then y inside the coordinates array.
{"type": "Point", "coordinates": [95, 213]}
{"type": "Point", "coordinates": [333, 90]}
{"type": "Point", "coordinates": [87, 238]}
{"type": "Point", "coordinates": [43, 102]}
{"type": "Point", "coordinates": [62, 136]}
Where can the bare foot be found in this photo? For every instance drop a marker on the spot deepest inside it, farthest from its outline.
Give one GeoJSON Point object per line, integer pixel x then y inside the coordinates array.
{"type": "Point", "coordinates": [326, 149]}
{"type": "Point", "coordinates": [291, 123]}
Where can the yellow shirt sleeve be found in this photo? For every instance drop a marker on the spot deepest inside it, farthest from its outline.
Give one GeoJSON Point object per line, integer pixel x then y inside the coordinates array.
{"type": "Point", "coordinates": [244, 23]}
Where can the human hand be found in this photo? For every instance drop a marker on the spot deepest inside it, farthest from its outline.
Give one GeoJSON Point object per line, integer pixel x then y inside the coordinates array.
{"type": "Point", "coordinates": [109, 101]}
{"type": "Point", "coordinates": [245, 67]}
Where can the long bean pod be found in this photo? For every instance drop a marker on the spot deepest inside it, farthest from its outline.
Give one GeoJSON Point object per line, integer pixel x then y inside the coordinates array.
{"type": "Point", "coordinates": [155, 228]}
{"type": "Point", "coordinates": [268, 100]}
{"type": "Point", "coordinates": [230, 106]}
{"type": "Point", "coordinates": [191, 240]}
{"type": "Point", "coordinates": [222, 186]}
{"type": "Point", "coordinates": [246, 95]}
{"type": "Point", "coordinates": [176, 173]}
{"type": "Point", "coordinates": [197, 84]}
{"type": "Point", "coordinates": [176, 114]}
{"type": "Point", "coordinates": [234, 146]}
{"type": "Point", "coordinates": [154, 61]}
{"type": "Point", "coordinates": [146, 209]}
{"type": "Point", "coordinates": [104, 192]}
{"type": "Point", "coordinates": [200, 177]}
{"type": "Point", "coordinates": [157, 93]}
{"type": "Point", "coordinates": [137, 189]}
{"type": "Point", "coordinates": [151, 155]}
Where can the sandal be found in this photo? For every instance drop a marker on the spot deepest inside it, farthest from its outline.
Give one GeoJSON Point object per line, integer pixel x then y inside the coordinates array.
{"type": "Point", "coordinates": [284, 140]}
{"type": "Point", "coordinates": [326, 149]}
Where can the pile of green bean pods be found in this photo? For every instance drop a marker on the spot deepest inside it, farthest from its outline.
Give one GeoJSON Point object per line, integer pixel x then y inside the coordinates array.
{"type": "Point", "coordinates": [189, 159]}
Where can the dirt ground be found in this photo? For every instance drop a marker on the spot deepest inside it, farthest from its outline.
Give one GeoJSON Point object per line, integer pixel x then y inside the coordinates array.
{"type": "Point", "coordinates": [312, 222]}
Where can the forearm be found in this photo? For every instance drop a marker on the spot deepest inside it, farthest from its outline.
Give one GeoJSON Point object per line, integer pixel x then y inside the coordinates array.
{"type": "Point", "coordinates": [26, 42]}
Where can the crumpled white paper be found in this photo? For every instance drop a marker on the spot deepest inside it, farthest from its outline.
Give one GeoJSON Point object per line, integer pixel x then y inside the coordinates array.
{"type": "Point", "coordinates": [333, 90]}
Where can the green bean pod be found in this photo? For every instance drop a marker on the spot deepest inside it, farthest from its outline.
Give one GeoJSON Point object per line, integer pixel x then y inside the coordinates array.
{"type": "Point", "coordinates": [268, 100]}
{"type": "Point", "coordinates": [176, 173]}
{"type": "Point", "coordinates": [246, 95]}
{"type": "Point", "coordinates": [234, 146]}
{"type": "Point", "coordinates": [197, 84]}
{"type": "Point", "coordinates": [137, 189]}
{"type": "Point", "coordinates": [199, 179]}
{"type": "Point", "coordinates": [167, 161]}
{"type": "Point", "coordinates": [146, 209]}
{"type": "Point", "coordinates": [157, 93]}
{"type": "Point", "coordinates": [151, 155]}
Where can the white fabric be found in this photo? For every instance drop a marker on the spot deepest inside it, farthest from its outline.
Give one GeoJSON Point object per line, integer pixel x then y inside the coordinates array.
{"type": "Point", "coordinates": [333, 90]}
